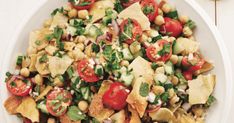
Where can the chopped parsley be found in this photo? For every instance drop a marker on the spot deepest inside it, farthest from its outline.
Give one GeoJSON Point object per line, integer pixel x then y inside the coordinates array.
{"type": "Point", "coordinates": [127, 33]}
{"type": "Point", "coordinates": [43, 58]}
{"type": "Point", "coordinates": [13, 84]}
{"type": "Point", "coordinates": [19, 60]}
{"type": "Point", "coordinates": [155, 39]}
{"type": "Point", "coordinates": [75, 114]}
{"type": "Point", "coordinates": [191, 24]}
{"type": "Point", "coordinates": [173, 14]}
{"type": "Point", "coordinates": [118, 6]}
{"type": "Point", "coordinates": [148, 9]}
{"type": "Point", "coordinates": [165, 96]}
{"type": "Point", "coordinates": [8, 74]}
{"type": "Point", "coordinates": [210, 101]}
{"type": "Point", "coordinates": [166, 49]}
{"type": "Point", "coordinates": [84, 3]}
{"type": "Point", "coordinates": [70, 72]}
{"type": "Point", "coordinates": [95, 48]}
{"type": "Point", "coordinates": [38, 42]}
{"type": "Point", "coordinates": [154, 66]}
{"type": "Point", "coordinates": [144, 89]}
{"type": "Point", "coordinates": [60, 10]}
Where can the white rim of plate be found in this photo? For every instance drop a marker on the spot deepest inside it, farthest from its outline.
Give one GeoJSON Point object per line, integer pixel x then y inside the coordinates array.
{"type": "Point", "coordinates": [195, 6]}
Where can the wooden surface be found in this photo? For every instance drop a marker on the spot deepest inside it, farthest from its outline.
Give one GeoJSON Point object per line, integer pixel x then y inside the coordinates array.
{"type": "Point", "coordinates": [221, 12]}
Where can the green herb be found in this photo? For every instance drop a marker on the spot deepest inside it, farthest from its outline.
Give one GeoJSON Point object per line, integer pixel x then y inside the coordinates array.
{"type": "Point", "coordinates": [107, 51]}
{"type": "Point", "coordinates": [172, 14]}
{"type": "Point", "coordinates": [155, 39]}
{"type": "Point", "coordinates": [49, 37]}
{"type": "Point", "coordinates": [95, 48]}
{"type": "Point", "coordinates": [25, 81]}
{"type": "Point", "coordinates": [70, 72]}
{"type": "Point", "coordinates": [127, 33]}
{"type": "Point", "coordinates": [8, 74]}
{"type": "Point", "coordinates": [118, 6]}
{"type": "Point", "coordinates": [60, 10]}
{"type": "Point", "coordinates": [148, 9]}
{"type": "Point", "coordinates": [144, 89]}
{"type": "Point", "coordinates": [181, 78]}
{"type": "Point", "coordinates": [13, 84]}
{"type": "Point", "coordinates": [75, 114]}
{"type": "Point", "coordinates": [210, 101]}
{"type": "Point", "coordinates": [84, 3]}
{"type": "Point", "coordinates": [58, 54]}
{"type": "Point", "coordinates": [61, 78]}
{"type": "Point", "coordinates": [191, 24]}
{"type": "Point", "coordinates": [165, 96]}
{"type": "Point", "coordinates": [58, 32]}
{"type": "Point", "coordinates": [38, 42]}
{"type": "Point", "coordinates": [154, 66]}
{"type": "Point", "coordinates": [167, 86]}
{"type": "Point", "coordinates": [43, 58]}
{"type": "Point", "coordinates": [94, 120]}
{"type": "Point", "coordinates": [157, 97]}
{"type": "Point", "coordinates": [99, 70]}
{"type": "Point", "coordinates": [19, 60]}
{"type": "Point", "coordinates": [166, 49]}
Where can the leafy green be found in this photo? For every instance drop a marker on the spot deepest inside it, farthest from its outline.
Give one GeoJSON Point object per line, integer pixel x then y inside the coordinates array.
{"type": "Point", "coordinates": [75, 114]}
{"type": "Point", "coordinates": [155, 39]}
{"type": "Point", "coordinates": [144, 89]}
{"type": "Point", "coordinates": [43, 58]}
{"type": "Point", "coordinates": [173, 14]}
{"type": "Point", "coordinates": [148, 9]}
{"type": "Point", "coordinates": [181, 78]}
{"type": "Point", "coordinates": [210, 101]}
{"type": "Point", "coordinates": [118, 6]}
{"type": "Point", "coordinates": [8, 74]}
{"type": "Point", "coordinates": [60, 10]}
{"type": "Point", "coordinates": [191, 24]}
{"type": "Point", "coordinates": [84, 3]}
{"type": "Point", "coordinates": [38, 42]}
{"type": "Point", "coordinates": [166, 49]}
{"type": "Point", "coordinates": [127, 33]}
{"type": "Point", "coordinates": [95, 48]}
{"type": "Point", "coordinates": [154, 66]}
{"type": "Point", "coordinates": [165, 96]}
{"type": "Point", "coordinates": [70, 72]}
{"type": "Point", "coordinates": [19, 60]}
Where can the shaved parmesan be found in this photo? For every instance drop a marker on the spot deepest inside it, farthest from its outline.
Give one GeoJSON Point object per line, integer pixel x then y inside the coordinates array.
{"type": "Point", "coordinates": [134, 12]}
{"type": "Point", "coordinates": [58, 66]}
{"type": "Point", "coordinates": [201, 88]}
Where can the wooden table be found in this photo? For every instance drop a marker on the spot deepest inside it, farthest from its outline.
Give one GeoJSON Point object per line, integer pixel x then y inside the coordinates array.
{"type": "Point", "coordinates": [221, 12]}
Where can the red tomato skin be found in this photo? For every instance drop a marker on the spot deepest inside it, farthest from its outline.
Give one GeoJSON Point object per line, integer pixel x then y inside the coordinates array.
{"type": "Point", "coordinates": [188, 75]}
{"type": "Point", "coordinates": [92, 77]}
{"type": "Point", "coordinates": [152, 49]}
{"type": "Point", "coordinates": [171, 27]}
{"type": "Point", "coordinates": [26, 120]}
{"type": "Point", "coordinates": [52, 95]}
{"type": "Point", "coordinates": [130, 3]}
{"type": "Point", "coordinates": [137, 30]}
{"type": "Point", "coordinates": [185, 62]}
{"type": "Point", "coordinates": [15, 91]}
{"type": "Point", "coordinates": [198, 66]}
{"type": "Point", "coordinates": [82, 7]}
{"type": "Point", "coordinates": [115, 97]}
{"type": "Point", "coordinates": [153, 15]}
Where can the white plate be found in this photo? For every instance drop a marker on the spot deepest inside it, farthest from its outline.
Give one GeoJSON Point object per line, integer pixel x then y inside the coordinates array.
{"type": "Point", "coordinates": [206, 33]}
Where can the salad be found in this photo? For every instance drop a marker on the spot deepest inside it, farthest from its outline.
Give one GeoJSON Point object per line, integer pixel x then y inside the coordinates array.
{"type": "Point", "coordinates": [112, 61]}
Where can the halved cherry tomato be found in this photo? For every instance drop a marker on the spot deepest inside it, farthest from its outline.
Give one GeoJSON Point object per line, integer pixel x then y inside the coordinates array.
{"type": "Point", "coordinates": [134, 27]}
{"type": "Point", "coordinates": [86, 72]}
{"type": "Point", "coordinates": [150, 4]}
{"type": "Point", "coordinates": [83, 4]}
{"type": "Point", "coordinates": [171, 27]}
{"type": "Point", "coordinates": [57, 101]}
{"type": "Point", "coordinates": [19, 86]}
{"type": "Point", "coordinates": [151, 52]}
{"type": "Point", "coordinates": [127, 3]}
{"type": "Point", "coordinates": [115, 97]}
{"type": "Point", "coordinates": [198, 66]}
{"type": "Point", "coordinates": [26, 120]}
{"type": "Point", "coordinates": [185, 62]}
{"type": "Point", "coordinates": [188, 75]}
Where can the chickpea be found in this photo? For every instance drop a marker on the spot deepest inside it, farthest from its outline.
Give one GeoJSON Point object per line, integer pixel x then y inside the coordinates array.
{"type": "Point", "coordinates": [24, 72]}
{"type": "Point", "coordinates": [166, 8]}
{"type": "Point", "coordinates": [38, 79]}
{"type": "Point", "coordinates": [51, 120]}
{"type": "Point", "coordinates": [174, 59]}
{"type": "Point", "coordinates": [160, 70]}
{"type": "Point", "coordinates": [171, 93]}
{"type": "Point", "coordinates": [124, 63]}
{"type": "Point", "coordinates": [83, 105]}
{"type": "Point", "coordinates": [159, 20]}
{"type": "Point", "coordinates": [174, 80]}
{"type": "Point", "coordinates": [158, 90]}
{"type": "Point", "coordinates": [174, 100]}
{"type": "Point", "coordinates": [183, 19]}
{"type": "Point", "coordinates": [187, 31]}
{"type": "Point", "coordinates": [83, 14]}
{"type": "Point", "coordinates": [125, 45]}
{"type": "Point", "coordinates": [73, 13]}
{"type": "Point", "coordinates": [58, 82]}
{"type": "Point", "coordinates": [81, 39]}
{"type": "Point", "coordinates": [80, 46]}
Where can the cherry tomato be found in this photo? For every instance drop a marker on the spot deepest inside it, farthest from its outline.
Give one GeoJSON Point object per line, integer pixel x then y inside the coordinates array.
{"type": "Point", "coordinates": [188, 75]}
{"type": "Point", "coordinates": [115, 97]}
{"type": "Point", "coordinates": [19, 86]}
{"type": "Point", "coordinates": [151, 52]}
{"type": "Point", "coordinates": [129, 2]}
{"type": "Point", "coordinates": [136, 29]}
{"type": "Point", "coordinates": [86, 72]}
{"type": "Point", "coordinates": [57, 101]}
{"type": "Point", "coordinates": [150, 4]}
{"type": "Point", "coordinates": [86, 4]}
{"type": "Point", "coordinates": [26, 120]}
{"type": "Point", "coordinates": [171, 27]}
{"type": "Point", "coordinates": [185, 62]}
{"type": "Point", "coordinates": [198, 66]}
